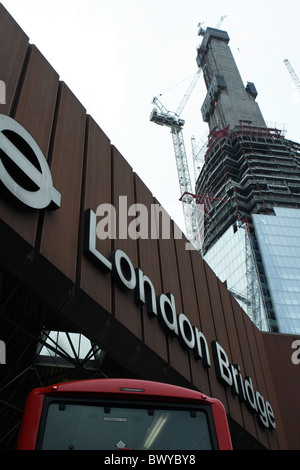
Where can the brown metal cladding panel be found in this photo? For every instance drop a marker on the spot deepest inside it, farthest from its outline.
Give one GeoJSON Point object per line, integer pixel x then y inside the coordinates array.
{"type": "Point", "coordinates": [186, 280]}
{"type": "Point", "coordinates": [179, 359]}
{"type": "Point", "coordinates": [96, 191]}
{"type": "Point", "coordinates": [257, 375]}
{"type": "Point", "coordinates": [60, 229]}
{"type": "Point", "coordinates": [13, 47]}
{"type": "Point", "coordinates": [153, 335]}
{"type": "Point", "coordinates": [267, 387]}
{"type": "Point", "coordinates": [234, 343]}
{"type": "Point", "coordinates": [243, 322]}
{"type": "Point", "coordinates": [221, 336]}
{"type": "Point", "coordinates": [37, 99]}
{"type": "Point", "coordinates": [207, 323]}
{"type": "Point", "coordinates": [190, 308]}
{"type": "Point", "coordinates": [217, 308]}
{"type": "Point", "coordinates": [237, 352]}
{"type": "Point", "coordinates": [239, 413]}
{"type": "Point", "coordinates": [123, 185]}
{"type": "Point", "coordinates": [286, 378]}
{"type": "Point", "coordinates": [35, 103]}
{"type": "Point", "coordinates": [255, 369]}
{"type": "Point", "coordinates": [35, 112]}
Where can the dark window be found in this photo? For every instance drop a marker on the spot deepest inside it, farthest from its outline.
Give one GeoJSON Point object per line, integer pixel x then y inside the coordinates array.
{"type": "Point", "coordinates": [72, 425]}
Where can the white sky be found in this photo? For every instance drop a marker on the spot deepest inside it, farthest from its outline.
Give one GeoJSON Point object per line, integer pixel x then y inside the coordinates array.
{"type": "Point", "coordinates": [117, 55]}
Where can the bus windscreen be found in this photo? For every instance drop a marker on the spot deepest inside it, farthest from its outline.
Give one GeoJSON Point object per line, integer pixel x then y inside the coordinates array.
{"type": "Point", "coordinates": [85, 425]}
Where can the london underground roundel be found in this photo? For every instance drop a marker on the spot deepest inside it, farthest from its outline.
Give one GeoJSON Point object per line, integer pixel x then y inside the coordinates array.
{"type": "Point", "coordinates": [24, 170]}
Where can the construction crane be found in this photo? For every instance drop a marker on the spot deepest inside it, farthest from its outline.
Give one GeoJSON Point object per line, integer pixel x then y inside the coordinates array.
{"type": "Point", "coordinates": [198, 151]}
{"type": "Point", "coordinates": [202, 30]}
{"type": "Point", "coordinates": [163, 117]}
{"type": "Point", "coordinates": [292, 73]}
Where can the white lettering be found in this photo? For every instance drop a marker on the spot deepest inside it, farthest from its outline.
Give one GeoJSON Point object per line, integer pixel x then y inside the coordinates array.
{"type": "Point", "coordinates": [89, 242]}
{"type": "Point", "coordinates": [271, 416]}
{"type": "Point", "coordinates": [16, 143]}
{"type": "Point", "coordinates": [145, 292]}
{"type": "Point", "coordinates": [231, 375]}
{"type": "Point", "coordinates": [250, 396]}
{"type": "Point", "coordinates": [222, 364]}
{"type": "Point", "coordinates": [116, 460]}
{"type": "Point", "coordinates": [238, 385]}
{"type": "Point", "coordinates": [186, 334]}
{"type": "Point", "coordinates": [234, 374]}
{"type": "Point", "coordinates": [167, 313]}
{"type": "Point", "coordinates": [263, 416]}
{"type": "Point", "coordinates": [163, 306]}
{"type": "Point", "coordinates": [201, 348]}
{"type": "Point", "coordinates": [123, 270]}
{"type": "Point", "coordinates": [174, 459]}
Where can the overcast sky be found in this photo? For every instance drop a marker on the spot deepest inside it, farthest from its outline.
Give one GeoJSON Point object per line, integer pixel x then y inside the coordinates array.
{"type": "Point", "coordinates": [117, 55]}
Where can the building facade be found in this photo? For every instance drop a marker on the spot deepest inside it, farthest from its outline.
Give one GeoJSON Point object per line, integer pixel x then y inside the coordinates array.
{"type": "Point", "coordinates": [250, 170]}
{"type": "Point", "coordinates": [74, 306]}
{"type": "Point", "coordinates": [279, 246]}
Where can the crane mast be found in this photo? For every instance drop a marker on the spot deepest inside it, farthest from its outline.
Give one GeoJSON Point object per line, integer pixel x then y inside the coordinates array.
{"type": "Point", "coordinates": [161, 116]}
{"type": "Point", "coordinates": [292, 74]}
{"type": "Point", "coordinates": [193, 213]}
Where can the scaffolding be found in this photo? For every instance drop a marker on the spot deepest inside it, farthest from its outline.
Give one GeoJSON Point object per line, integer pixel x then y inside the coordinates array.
{"type": "Point", "coordinates": [253, 169]}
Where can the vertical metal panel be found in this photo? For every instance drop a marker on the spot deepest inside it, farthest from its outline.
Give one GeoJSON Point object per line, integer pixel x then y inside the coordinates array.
{"type": "Point", "coordinates": [207, 322]}
{"type": "Point", "coordinates": [222, 335]}
{"type": "Point", "coordinates": [60, 229]}
{"type": "Point", "coordinates": [284, 375]}
{"type": "Point", "coordinates": [266, 388]}
{"type": "Point", "coordinates": [247, 364]}
{"type": "Point", "coordinates": [123, 187]}
{"type": "Point", "coordinates": [96, 191]}
{"type": "Point", "coordinates": [179, 359]}
{"type": "Point", "coordinates": [254, 370]}
{"type": "Point", "coordinates": [37, 99]}
{"type": "Point", "coordinates": [35, 111]}
{"type": "Point", "coordinates": [31, 89]}
{"type": "Point", "coordinates": [217, 308]}
{"type": "Point", "coordinates": [190, 306]}
{"type": "Point", "coordinates": [93, 293]}
{"type": "Point", "coordinates": [232, 343]}
{"type": "Point", "coordinates": [148, 261]}
{"type": "Point", "coordinates": [13, 47]}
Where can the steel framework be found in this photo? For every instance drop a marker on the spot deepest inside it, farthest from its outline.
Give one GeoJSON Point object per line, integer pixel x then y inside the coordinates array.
{"type": "Point", "coordinates": [292, 74]}
{"type": "Point", "coordinates": [163, 117]}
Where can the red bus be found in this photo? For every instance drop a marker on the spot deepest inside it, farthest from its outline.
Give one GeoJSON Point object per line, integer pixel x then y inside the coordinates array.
{"type": "Point", "coordinates": [120, 414]}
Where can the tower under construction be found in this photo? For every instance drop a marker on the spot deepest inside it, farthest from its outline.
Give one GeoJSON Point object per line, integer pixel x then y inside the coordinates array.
{"type": "Point", "coordinates": [251, 178]}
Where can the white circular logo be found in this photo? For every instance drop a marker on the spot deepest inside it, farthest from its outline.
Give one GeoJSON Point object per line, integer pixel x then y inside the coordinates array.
{"type": "Point", "coordinates": [24, 170]}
